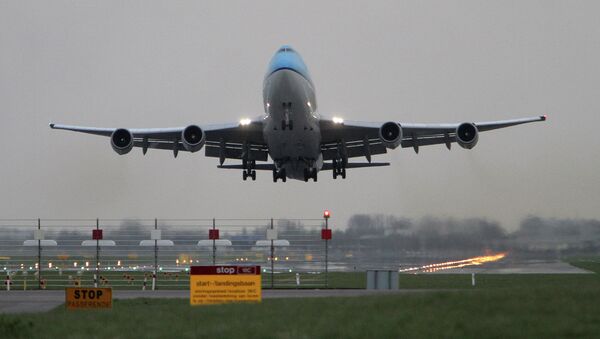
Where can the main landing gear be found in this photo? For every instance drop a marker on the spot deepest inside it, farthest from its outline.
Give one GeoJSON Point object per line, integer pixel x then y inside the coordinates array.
{"type": "Point", "coordinates": [279, 174]}
{"type": "Point", "coordinates": [249, 171]}
{"type": "Point", "coordinates": [310, 173]}
{"type": "Point", "coordinates": [339, 169]}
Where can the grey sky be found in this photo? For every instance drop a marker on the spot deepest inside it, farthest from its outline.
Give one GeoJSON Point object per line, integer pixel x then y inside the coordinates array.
{"type": "Point", "coordinates": [172, 63]}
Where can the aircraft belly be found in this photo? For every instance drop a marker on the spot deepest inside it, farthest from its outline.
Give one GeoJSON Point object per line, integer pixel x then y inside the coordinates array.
{"type": "Point", "coordinates": [291, 129]}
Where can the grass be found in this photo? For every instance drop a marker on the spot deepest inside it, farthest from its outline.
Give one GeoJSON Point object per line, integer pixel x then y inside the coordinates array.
{"type": "Point", "coordinates": [500, 306]}
{"type": "Point", "coordinates": [590, 264]}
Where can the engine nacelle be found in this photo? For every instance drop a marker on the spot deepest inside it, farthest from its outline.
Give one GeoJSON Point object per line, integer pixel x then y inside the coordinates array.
{"type": "Point", "coordinates": [390, 134]}
{"type": "Point", "coordinates": [193, 138]}
{"type": "Point", "coordinates": [467, 135]}
{"type": "Point", "coordinates": [121, 141]}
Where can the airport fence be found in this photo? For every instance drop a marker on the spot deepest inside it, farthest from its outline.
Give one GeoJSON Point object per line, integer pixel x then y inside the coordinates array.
{"type": "Point", "coordinates": [158, 253]}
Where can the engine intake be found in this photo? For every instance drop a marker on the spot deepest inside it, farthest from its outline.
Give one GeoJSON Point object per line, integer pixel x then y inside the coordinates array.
{"type": "Point", "coordinates": [467, 135]}
{"type": "Point", "coordinates": [121, 141]}
{"type": "Point", "coordinates": [193, 138]}
{"type": "Point", "coordinates": [390, 134]}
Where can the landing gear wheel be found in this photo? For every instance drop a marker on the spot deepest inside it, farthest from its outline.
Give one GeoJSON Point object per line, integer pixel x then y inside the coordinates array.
{"type": "Point", "coordinates": [244, 175]}
{"type": "Point", "coordinates": [334, 173]}
{"type": "Point", "coordinates": [279, 175]}
{"type": "Point", "coordinates": [253, 175]}
{"type": "Point", "coordinates": [343, 173]}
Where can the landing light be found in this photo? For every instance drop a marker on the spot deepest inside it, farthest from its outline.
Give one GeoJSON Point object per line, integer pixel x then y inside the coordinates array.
{"type": "Point", "coordinates": [338, 120]}
{"type": "Point", "coordinates": [245, 122]}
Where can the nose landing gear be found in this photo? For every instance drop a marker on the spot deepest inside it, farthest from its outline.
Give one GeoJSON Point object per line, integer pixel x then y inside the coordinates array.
{"type": "Point", "coordinates": [310, 173]}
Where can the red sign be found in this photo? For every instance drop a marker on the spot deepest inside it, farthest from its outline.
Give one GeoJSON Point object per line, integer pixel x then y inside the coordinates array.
{"type": "Point", "coordinates": [224, 270]}
{"type": "Point", "coordinates": [326, 234]}
{"type": "Point", "coordinates": [213, 234]}
{"type": "Point", "coordinates": [97, 234]}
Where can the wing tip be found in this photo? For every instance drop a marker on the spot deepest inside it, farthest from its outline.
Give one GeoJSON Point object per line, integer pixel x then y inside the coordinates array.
{"type": "Point", "coordinates": [52, 125]}
{"type": "Point", "coordinates": [544, 117]}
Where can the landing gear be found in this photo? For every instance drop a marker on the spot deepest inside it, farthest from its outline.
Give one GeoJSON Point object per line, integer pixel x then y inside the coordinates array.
{"type": "Point", "coordinates": [289, 124]}
{"type": "Point", "coordinates": [310, 173]}
{"type": "Point", "coordinates": [249, 171]}
{"type": "Point", "coordinates": [279, 174]}
{"type": "Point", "coordinates": [339, 169]}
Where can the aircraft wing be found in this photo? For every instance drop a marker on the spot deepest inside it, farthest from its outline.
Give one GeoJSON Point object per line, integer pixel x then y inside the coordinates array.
{"type": "Point", "coordinates": [356, 139]}
{"type": "Point", "coordinates": [224, 141]}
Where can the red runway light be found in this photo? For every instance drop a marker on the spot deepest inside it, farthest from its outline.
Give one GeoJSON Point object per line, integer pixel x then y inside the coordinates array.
{"type": "Point", "coordinates": [326, 214]}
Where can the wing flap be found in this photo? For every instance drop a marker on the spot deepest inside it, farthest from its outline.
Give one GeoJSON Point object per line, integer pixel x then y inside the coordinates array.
{"type": "Point", "coordinates": [258, 167]}
{"type": "Point", "coordinates": [329, 166]}
{"type": "Point", "coordinates": [232, 152]}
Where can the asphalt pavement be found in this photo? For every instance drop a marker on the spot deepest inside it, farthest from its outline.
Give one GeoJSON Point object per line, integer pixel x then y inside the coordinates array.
{"type": "Point", "coordinates": [42, 301]}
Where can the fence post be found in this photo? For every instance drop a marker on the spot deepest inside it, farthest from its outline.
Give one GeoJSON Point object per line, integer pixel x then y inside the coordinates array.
{"type": "Point", "coordinates": [214, 254]}
{"type": "Point", "coordinates": [155, 257]}
{"type": "Point", "coordinates": [97, 275]}
{"type": "Point", "coordinates": [272, 259]}
{"type": "Point", "coordinates": [39, 270]}
{"type": "Point", "coordinates": [326, 254]}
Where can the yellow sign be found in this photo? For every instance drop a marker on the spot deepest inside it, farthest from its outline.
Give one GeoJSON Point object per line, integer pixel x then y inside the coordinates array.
{"type": "Point", "coordinates": [82, 298]}
{"type": "Point", "coordinates": [224, 284]}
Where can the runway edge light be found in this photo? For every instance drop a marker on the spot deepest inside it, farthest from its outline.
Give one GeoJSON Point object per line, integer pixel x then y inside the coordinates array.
{"type": "Point", "coordinates": [326, 214]}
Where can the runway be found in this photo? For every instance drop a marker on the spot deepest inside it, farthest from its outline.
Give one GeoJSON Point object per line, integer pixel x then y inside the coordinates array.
{"type": "Point", "coordinates": [42, 301]}
{"type": "Point", "coordinates": [520, 267]}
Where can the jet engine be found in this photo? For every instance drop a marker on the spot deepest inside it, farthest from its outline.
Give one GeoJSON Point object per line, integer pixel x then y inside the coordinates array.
{"type": "Point", "coordinates": [390, 134]}
{"type": "Point", "coordinates": [467, 135]}
{"type": "Point", "coordinates": [121, 141]}
{"type": "Point", "coordinates": [193, 138]}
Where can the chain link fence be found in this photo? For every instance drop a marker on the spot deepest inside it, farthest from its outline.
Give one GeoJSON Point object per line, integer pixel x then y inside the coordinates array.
{"type": "Point", "coordinates": [157, 253]}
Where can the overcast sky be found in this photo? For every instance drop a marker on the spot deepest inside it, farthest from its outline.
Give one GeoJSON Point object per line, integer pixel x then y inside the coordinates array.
{"type": "Point", "coordinates": [173, 63]}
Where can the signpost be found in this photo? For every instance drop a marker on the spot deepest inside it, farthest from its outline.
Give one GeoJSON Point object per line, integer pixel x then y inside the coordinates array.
{"type": "Point", "coordinates": [224, 284]}
{"type": "Point", "coordinates": [88, 298]}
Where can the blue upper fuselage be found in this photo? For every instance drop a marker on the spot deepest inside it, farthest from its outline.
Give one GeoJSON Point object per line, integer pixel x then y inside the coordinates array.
{"type": "Point", "coordinates": [287, 58]}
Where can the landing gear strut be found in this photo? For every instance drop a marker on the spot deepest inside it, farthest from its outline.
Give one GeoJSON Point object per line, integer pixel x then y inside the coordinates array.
{"type": "Point", "coordinates": [249, 171]}
{"type": "Point", "coordinates": [310, 173]}
{"type": "Point", "coordinates": [339, 169]}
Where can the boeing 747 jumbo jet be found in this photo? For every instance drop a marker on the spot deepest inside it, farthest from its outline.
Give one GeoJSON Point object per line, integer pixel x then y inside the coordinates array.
{"type": "Point", "coordinates": [291, 132]}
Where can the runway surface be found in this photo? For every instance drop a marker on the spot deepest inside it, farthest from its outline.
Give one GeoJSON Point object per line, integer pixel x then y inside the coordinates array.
{"type": "Point", "coordinates": [520, 267]}
{"type": "Point", "coordinates": [42, 301]}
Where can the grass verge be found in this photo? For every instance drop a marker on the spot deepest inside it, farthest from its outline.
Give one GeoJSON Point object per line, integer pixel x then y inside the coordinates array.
{"type": "Point", "coordinates": [500, 306]}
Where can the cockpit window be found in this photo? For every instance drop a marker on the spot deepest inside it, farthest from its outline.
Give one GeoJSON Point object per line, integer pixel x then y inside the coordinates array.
{"type": "Point", "coordinates": [286, 49]}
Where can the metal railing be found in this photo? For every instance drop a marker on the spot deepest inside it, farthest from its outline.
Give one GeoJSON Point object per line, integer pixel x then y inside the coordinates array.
{"type": "Point", "coordinates": [157, 253]}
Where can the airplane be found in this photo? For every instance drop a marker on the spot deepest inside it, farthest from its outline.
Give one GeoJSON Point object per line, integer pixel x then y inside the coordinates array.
{"type": "Point", "coordinates": [298, 140]}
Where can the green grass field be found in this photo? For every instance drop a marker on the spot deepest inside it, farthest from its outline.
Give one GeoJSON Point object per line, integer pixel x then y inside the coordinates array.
{"type": "Point", "coordinates": [500, 306]}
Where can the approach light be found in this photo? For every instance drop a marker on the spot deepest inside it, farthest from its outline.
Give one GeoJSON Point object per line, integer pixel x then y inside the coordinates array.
{"type": "Point", "coordinates": [337, 120]}
{"type": "Point", "coordinates": [245, 122]}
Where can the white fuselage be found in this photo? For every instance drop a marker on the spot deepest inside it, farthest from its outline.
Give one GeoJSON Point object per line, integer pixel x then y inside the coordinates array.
{"type": "Point", "coordinates": [291, 128]}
